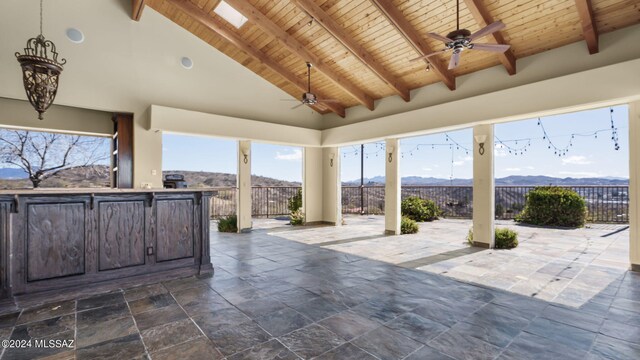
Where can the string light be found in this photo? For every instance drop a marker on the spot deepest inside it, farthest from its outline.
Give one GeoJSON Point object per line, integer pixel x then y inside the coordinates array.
{"type": "Point", "coordinates": [514, 147]}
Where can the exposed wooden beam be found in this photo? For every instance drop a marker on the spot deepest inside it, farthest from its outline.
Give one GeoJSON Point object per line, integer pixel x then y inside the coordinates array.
{"type": "Point", "coordinates": [589, 29]}
{"type": "Point", "coordinates": [358, 51]}
{"type": "Point", "coordinates": [214, 25]}
{"type": "Point", "coordinates": [257, 18]}
{"type": "Point", "coordinates": [412, 37]}
{"type": "Point", "coordinates": [136, 9]}
{"type": "Point", "coordinates": [483, 18]}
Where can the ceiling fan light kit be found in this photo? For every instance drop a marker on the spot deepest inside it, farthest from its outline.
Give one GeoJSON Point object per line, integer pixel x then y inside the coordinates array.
{"type": "Point", "coordinates": [460, 40]}
{"type": "Point", "coordinates": [309, 98]}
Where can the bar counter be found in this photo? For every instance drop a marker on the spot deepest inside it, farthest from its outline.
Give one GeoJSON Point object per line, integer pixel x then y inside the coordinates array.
{"type": "Point", "coordinates": [53, 240]}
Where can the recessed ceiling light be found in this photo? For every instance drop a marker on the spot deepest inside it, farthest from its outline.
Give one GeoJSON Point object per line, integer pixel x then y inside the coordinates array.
{"type": "Point", "coordinates": [186, 63]}
{"type": "Point", "coordinates": [74, 35]}
{"type": "Point", "coordinates": [233, 16]}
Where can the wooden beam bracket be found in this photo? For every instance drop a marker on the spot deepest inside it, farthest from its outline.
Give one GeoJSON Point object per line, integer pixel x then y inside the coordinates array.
{"type": "Point", "coordinates": [136, 9]}
{"type": "Point", "coordinates": [589, 29]}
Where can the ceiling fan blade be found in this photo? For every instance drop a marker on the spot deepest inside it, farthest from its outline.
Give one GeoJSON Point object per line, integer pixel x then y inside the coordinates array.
{"type": "Point", "coordinates": [489, 29]}
{"type": "Point", "coordinates": [289, 100]}
{"type": "Point", "coordinates": [430, 55]}
{"type": "Point", "coordinates": [444, 39]}
{"type": "Point", "coordinates": [500, 48]}
{"type": "Point", "coordinates": [455, 60]}
{"type": "Point", "coordinates": [328, 101]}
{"type": "Point", "coordinates": [297, 106]}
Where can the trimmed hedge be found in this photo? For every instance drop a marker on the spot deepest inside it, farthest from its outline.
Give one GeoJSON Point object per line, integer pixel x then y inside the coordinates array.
{"type": "Point", "coordinates": [419, 210]}
{"type": "Point", "coordinates": [408, 226]}
{"type": "Point", "coordinates": [504, 238]}
{"type": "Point", "coordinates": [554, 206]}
{"type": "Point", "coordinates": [228, 224]}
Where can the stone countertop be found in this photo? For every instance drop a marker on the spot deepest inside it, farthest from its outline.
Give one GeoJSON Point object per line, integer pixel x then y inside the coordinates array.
{"type": "Point", "coordinates": [89, 191]}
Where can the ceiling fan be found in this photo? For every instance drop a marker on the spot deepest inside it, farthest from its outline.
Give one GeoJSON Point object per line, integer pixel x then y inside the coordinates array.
{"type": "Point", "coordinates": [462, 39]}
{"type": "Point", "coordinates": [310, 98]}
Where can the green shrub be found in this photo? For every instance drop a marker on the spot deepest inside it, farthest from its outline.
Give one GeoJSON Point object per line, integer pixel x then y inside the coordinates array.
{"type": "Point", "coordinates": [554, 206]}
{"type": "Point", "coordinates": [228, 224]}
{"type": "Point", "coordinates": [504, 238]}
{"type": "Point", "coordinates": [408, 226]}
{"type": "Point", "coordinates": [295, 202]}
{"type": "Point", "coordinates": [296, 217]}
{"type": "Point", "coordinates": [419, 210]}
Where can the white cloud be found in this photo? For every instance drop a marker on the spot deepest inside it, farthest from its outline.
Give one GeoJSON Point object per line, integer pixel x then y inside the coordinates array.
{"type": "Point", "coordinates": [500, 151]}
{"type": "Point", "coordinates": [295, 155]}
{"type": "Point", "coordinates": [462, 160]}
{"type": "Point", "coordinates": [579, 174]}
{"type": "Point", "coordinates": [530, 167]}
{"type": "Point", "coordinates": [514, 169]}
{"type": "Point", "coordinates": [576, 160]}
{"type": "Point", "coordinates": [426, 169]}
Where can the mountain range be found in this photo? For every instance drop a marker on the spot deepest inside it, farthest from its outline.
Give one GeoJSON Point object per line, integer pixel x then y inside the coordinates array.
{"type": "Point", "coordinates": [514, 180]}
{"type": "Point", "coordinates": [98, 175]}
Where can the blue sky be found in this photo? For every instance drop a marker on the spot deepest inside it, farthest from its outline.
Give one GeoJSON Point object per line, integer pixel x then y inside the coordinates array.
{"type": "Point", "coordinates": [587, 157]}
{"type": "Point", "coordinates": [200, 153]}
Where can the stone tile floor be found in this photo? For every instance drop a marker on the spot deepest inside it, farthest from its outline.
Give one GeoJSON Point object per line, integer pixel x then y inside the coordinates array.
{"type": "Point", "coordinates": [272, 298]}
{"type": "Point", "coordinates": [559, 265]}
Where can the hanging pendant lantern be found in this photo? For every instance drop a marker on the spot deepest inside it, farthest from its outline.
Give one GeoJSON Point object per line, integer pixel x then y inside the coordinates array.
{"type": "Point", "coordinates": [40, 71]}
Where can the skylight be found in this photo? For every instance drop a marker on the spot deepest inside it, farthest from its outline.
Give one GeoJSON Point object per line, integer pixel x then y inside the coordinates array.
{"type": "Point", "coordinates": [233, 16]}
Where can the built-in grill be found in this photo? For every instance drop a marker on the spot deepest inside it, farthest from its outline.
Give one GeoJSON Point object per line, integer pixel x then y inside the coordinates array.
{"type": "Point", "coordinates": [174, 181]}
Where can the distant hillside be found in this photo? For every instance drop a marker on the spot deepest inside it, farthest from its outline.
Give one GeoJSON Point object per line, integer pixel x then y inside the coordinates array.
{"type": "Point", "coordinates": [514, 180]}
{"type": "Point", "coordinates": [76, 177]}
{"type": "Point", "coordinates": [211, 179]}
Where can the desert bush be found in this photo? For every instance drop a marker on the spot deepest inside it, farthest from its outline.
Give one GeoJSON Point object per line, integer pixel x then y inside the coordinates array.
{"type": "Point", "coordinates": [296, 217]}
{"type": "Point", "coordinates": [408, 226]}
{"type": "Point", "coordinates": [228, 224]}
{"type": "Point", "coordinates": [295, 202]}
{"type": "Point", "coordinates": [554, 206]}
{"type": "Point", "coordinates": [419, 210]}
{"type": "Point", "coordinates": [504, 238]}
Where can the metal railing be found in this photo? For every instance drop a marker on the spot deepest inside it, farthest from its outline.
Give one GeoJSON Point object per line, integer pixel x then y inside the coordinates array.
{"type": "Point", "coordinates": [223, 203]}
{"type": "Point", "coordinates": [605, 204]}
{"type": "Point", "coordinates": [271, 201]}
{"type": "Point", "coordinates": [266, 201]}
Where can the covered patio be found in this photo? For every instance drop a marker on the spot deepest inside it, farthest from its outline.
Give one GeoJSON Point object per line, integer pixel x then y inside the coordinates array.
{"type": "Point", "coordinates": [134, 270]}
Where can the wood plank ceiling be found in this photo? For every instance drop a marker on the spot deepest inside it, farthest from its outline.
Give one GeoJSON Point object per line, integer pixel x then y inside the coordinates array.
{"type": "Point", "coordinates": [361, 49]}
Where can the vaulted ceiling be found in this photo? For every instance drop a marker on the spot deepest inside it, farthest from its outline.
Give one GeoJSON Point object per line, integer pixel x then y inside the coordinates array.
{"type": "Point", "coordinates": [362, 49]}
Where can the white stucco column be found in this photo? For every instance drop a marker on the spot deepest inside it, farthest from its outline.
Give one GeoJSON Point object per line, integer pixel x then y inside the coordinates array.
{"type": "Point", "coordinates": [483, 186]}
{"type": "Point", "coordinates": [392, 187]}
{"type": "Point", "coordinates": [243, 207]}
{"type": "Point", "coordinates": [312, 184]}
{"type": "Point", "coordinates": [331, 186]}
{"type": "Point", "coordinates": [634, 185]}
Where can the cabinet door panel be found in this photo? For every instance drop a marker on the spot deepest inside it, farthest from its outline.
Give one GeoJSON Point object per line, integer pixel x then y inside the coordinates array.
{"type": "Point", "coordinates": [175, 224]}
{"type": "Point", "coordinates": [121, 234]}
{"type": "Point", "coordinates": [55, 240]}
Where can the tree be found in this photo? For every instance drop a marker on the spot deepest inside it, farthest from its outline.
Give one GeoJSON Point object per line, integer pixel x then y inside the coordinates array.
{"type": "Point", "coordinates": [42, 155]}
